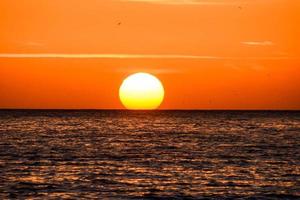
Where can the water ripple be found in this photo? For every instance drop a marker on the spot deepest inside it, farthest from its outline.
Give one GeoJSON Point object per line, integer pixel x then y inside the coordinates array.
{"type": "Point", "coordinates": [149, 155]}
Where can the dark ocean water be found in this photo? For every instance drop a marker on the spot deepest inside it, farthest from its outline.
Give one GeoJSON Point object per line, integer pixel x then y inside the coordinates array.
{"type": "Point", "coordinates": [149, 155]}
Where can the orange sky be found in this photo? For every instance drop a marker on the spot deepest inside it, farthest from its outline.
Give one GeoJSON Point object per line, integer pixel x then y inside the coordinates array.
{"type": "Point", "coordinates": [209, 54]}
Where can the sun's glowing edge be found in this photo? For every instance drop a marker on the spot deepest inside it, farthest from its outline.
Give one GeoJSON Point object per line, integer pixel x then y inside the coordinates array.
{"type": "Point", "coordinates": [141, 91]}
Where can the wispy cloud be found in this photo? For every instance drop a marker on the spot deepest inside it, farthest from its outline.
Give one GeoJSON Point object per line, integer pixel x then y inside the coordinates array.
{"type": "Point", "coordinates": [113, 56]}
{"type": "Point", "coordinates": [134, 56]}
{"type": "Point", "coordinates": [183, 2]}
{"type": "Point", "coordinates": [160, 70]}
{"type": "Point", "coordinates": [258, 43]}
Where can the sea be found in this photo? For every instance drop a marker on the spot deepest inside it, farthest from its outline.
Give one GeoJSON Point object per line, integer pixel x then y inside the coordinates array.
{"type": "Point", "coordinates": [115, 154]}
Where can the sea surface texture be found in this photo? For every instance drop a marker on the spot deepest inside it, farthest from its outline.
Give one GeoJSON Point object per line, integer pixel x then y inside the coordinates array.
{"type": "Point", "coordinates": [149, 155]}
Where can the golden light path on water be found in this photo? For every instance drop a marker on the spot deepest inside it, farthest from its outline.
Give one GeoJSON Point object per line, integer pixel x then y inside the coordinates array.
{"type": "Point", "coordinates": [149, 154]}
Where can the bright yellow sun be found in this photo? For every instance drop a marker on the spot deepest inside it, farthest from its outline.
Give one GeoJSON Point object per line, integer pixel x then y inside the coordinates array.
{"type": "Point", "coordinates": [141, 91]}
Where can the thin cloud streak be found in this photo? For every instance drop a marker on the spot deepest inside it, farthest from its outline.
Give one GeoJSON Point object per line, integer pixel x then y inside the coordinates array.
{"type": "Point", "coordinates": [134, 56]}
{"type": "Point", "coordinates": [100, 56]}
{"type": "Point", "coordinates": [183, 2]}
{"type": "Point", "coordinates": [258, 43]}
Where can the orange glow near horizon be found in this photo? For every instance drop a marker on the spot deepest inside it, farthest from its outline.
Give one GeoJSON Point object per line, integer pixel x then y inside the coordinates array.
{"type": "Point", "coordinates": [225, 54]}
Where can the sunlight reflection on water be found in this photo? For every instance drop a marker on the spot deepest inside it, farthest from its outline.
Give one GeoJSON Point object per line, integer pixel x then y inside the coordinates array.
{"type": "Point", "coordinates": [148, 155]}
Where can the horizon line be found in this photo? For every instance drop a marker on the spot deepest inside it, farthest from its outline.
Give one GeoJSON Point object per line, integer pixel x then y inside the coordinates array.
{"type": "Point", "coordinates": [123, 109]}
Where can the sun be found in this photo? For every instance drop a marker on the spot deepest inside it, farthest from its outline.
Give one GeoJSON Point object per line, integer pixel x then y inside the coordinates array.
{"type": "Point", "coordinates": [141, 91]}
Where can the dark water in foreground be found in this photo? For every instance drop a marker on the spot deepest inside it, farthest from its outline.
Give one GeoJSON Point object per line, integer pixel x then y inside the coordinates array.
{"type": "Point", "coordinates": [149, 155]}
